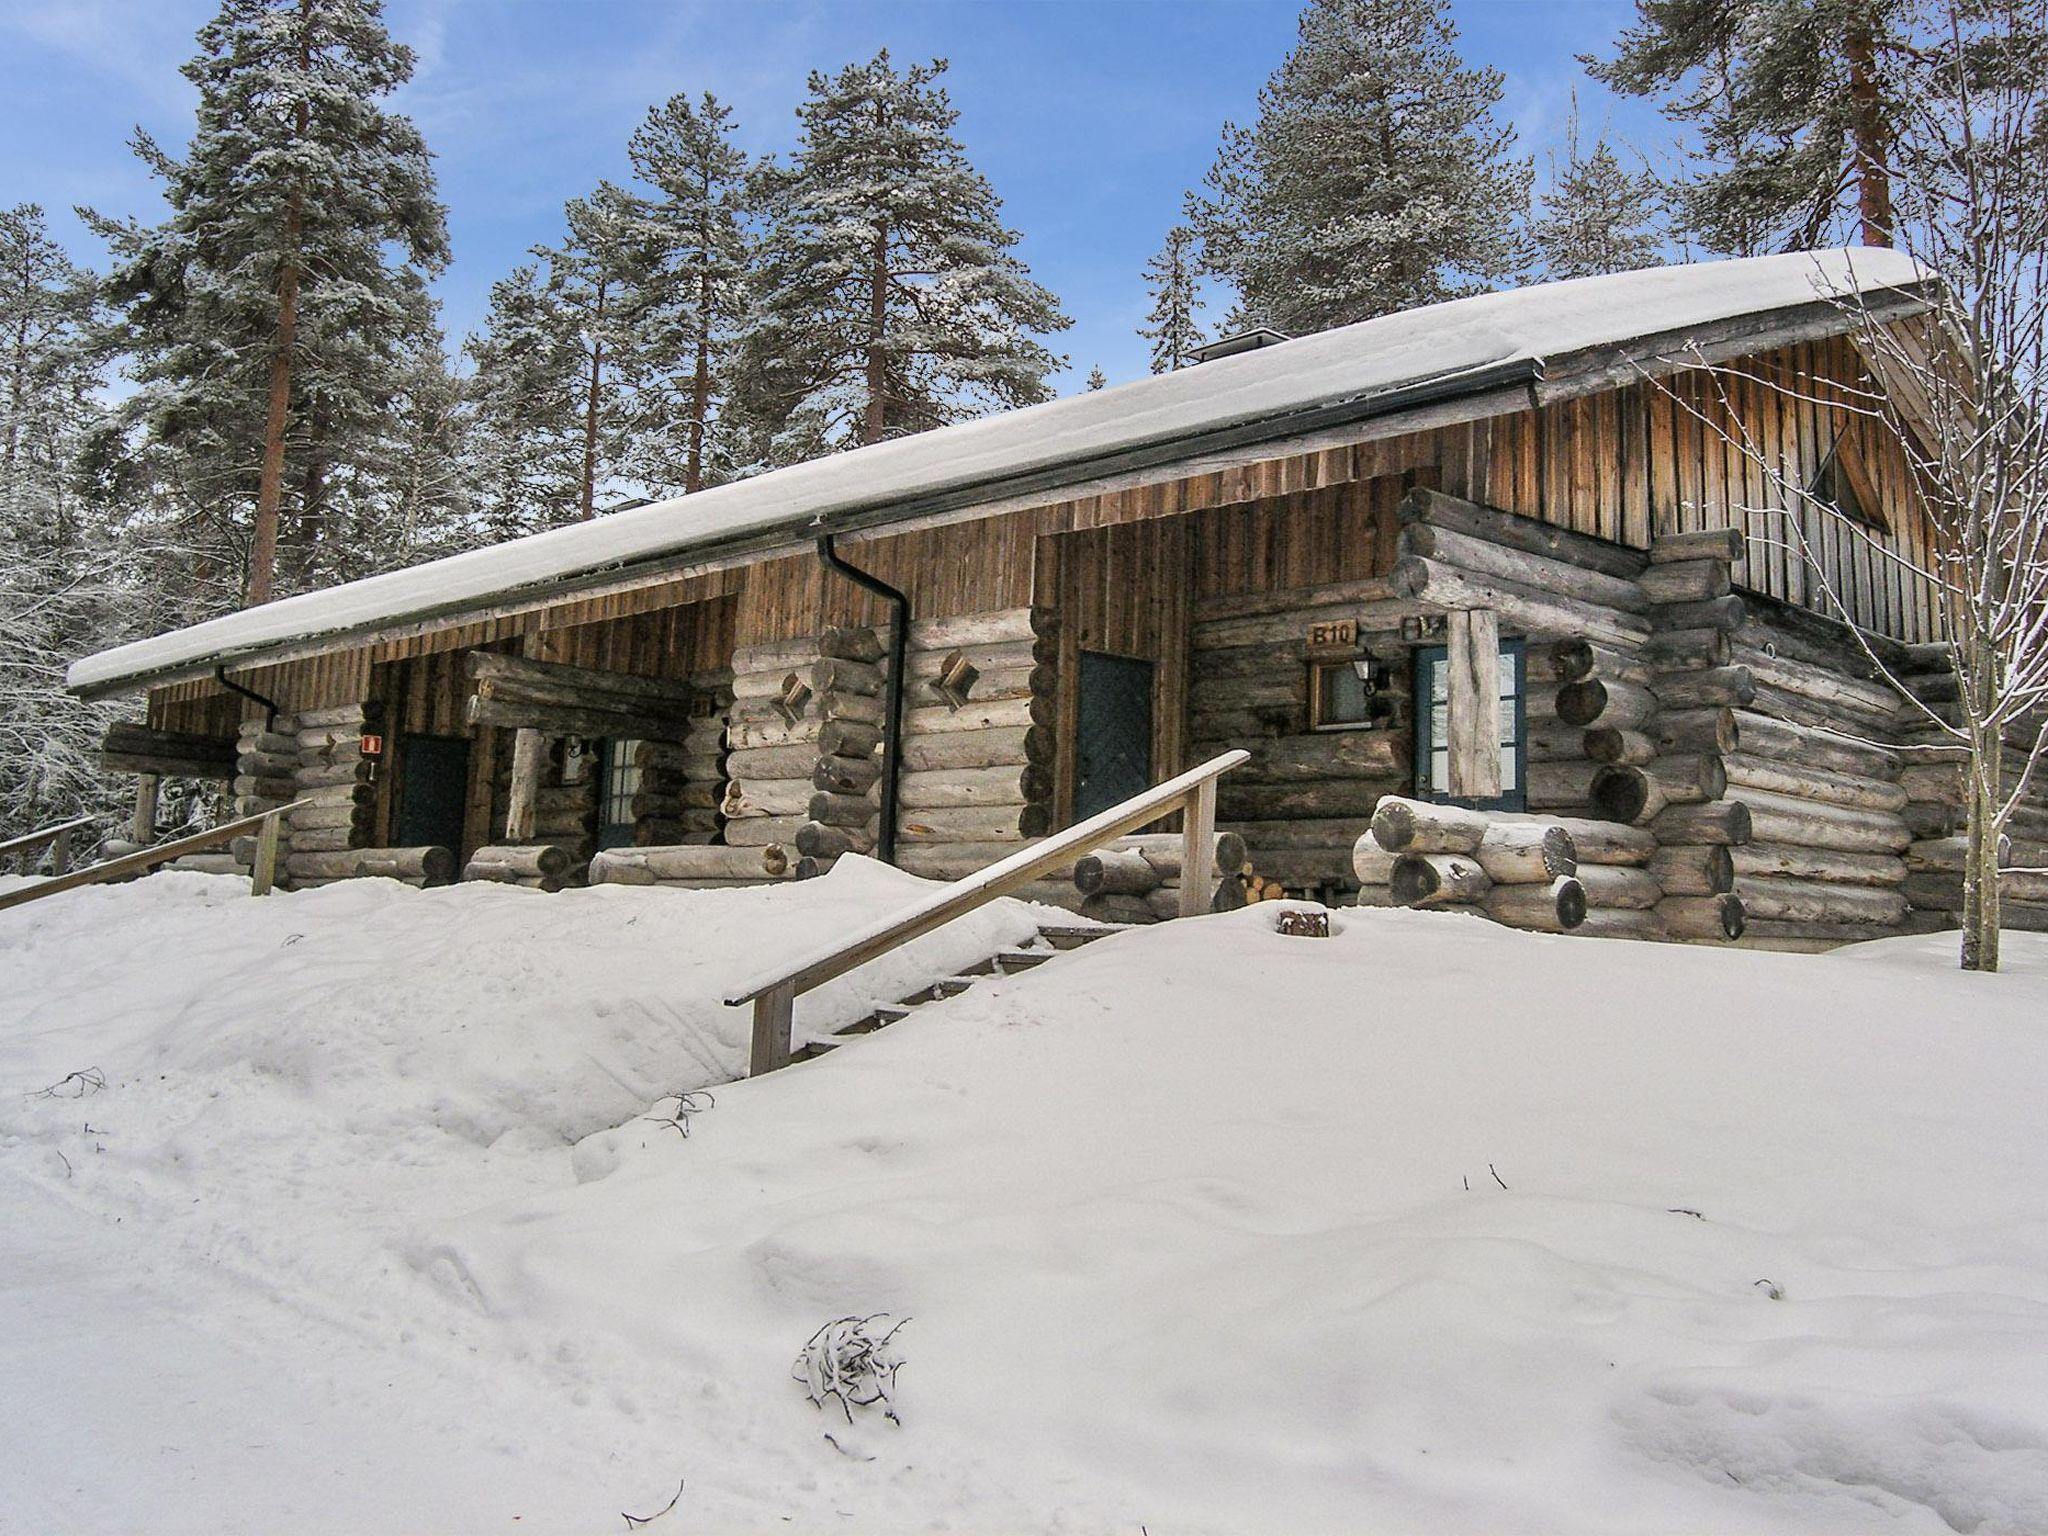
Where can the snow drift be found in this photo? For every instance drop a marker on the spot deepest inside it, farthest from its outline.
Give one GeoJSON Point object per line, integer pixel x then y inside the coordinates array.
{"type": "Point", "coordinates": [1427, 1226]}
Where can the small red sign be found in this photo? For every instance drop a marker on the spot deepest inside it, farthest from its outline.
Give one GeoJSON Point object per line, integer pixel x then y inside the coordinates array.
{"type": "Point", "coordinates": [373, 746]}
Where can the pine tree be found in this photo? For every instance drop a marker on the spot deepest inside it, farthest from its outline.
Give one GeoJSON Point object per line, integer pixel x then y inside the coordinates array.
{"type": "Point", "coordinates": [268, 319]}
{"type": "Point", "coordinates": [1097, 379]}
{"type": "Point", "coordinates": [1172, 276]}
{"type": "Point", "coordinates": [1375, 179]}
{"type": "Point", "coordinates": [1595, 216]}
{"type": "Point", "coordinates": [695, 292]}
{"type": "Point", "coordinates": [597, 292]}
{"type": "Point", "coordinates": [1794, 102]}
{"type": "Point", "coordinates": [888, 297]}
{"type": "Point", "coordinates": [61, 587]}
{"type": "Point", "coordinates": [523, 445]}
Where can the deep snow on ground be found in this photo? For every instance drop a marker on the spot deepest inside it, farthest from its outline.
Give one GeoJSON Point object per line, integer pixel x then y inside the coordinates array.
{"type": "Point", "coordinates": [1200, 1228]}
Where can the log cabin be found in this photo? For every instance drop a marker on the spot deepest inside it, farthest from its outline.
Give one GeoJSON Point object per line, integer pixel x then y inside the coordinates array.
{"type": "Point", "coordinates": [1498, 555]}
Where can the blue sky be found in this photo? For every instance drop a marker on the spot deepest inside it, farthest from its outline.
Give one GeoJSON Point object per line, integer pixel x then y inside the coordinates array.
{"type": "Point", "coordinates": [1090, 119]}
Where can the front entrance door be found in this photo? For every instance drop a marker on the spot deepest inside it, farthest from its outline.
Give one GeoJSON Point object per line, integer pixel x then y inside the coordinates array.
{"type": "Point", "coordinates": [1113, 738]}
{"type": "Point", "coordinates": [433, 788]}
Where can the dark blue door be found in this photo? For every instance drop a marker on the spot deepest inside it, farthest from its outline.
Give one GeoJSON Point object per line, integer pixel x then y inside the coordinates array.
{"type": "Point", "coordinates": [1113, 747]}
{"type": "Point", "coordinates": [433, 788]}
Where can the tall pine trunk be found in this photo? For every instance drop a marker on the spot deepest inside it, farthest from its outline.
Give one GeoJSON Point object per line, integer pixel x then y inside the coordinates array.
{"type": "Point", "coordinates": [1868, 146]}
{"type": "Point", "coordinates": [876, 422]}
{"type": "Point", "coordinates": [270, 490]}
{"type": "Point", "coordinates": [700, 389]}
{"type": "Point", "coordinates": [590, 408]}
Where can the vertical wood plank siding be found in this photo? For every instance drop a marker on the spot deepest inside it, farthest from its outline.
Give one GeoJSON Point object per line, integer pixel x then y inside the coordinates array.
{"type": "Point", "coordinates": [1626, 464]}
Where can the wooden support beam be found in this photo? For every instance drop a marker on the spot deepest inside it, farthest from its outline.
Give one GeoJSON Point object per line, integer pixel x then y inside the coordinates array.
{"type": "Point", "coordinates": [529, 755]}
{"type": "Point", "coordinates": [263, 874]}
{"type": "Point", "coordinates": [1473, 732]}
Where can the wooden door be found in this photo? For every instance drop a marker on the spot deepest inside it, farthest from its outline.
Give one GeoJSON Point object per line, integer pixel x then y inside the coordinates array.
{"type": "Point", "coordinates": [1113, 734]}
{"type": "Point", "coordinates": [433, 791]}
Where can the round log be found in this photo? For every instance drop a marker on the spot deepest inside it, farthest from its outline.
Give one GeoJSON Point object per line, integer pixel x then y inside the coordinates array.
{"type": "Point", "coordinates": [1115, 872]}
{"type": "Point", "coordinates": [846, 775]}
{"type": "Point", "coordinates": [1770, 898]}
{"type": "Point", "coordinates": [1575, 660]}
{"type": "Point", "coordinates": [1713, 919]}
{"type": "Point", "coordinates": [978, 749]}
{"type": "Point", "coordinates": [1626, 792]}
{"type": "Point", "coordinates": [1821, 863]}
{"type": "Point", "coordinates": [766, 798]}
{"type": "Point", "coordinates": [1619, 885]}
{"type": "Point", "coordinates": [1596, 842]}
{"type": "Point", "coordinates": [1708, 688]}
{"type": "Point", "coordinates": [1610, 744]}
{"type": "Point", "coordinates": [433, 864]}
{"type": "Point", "coordinates": [1713, 821]}
{"type": "Point", "coordinates": [1763, 736]}
{"type": "Point", "coordinates": [1688, 650]}
{"type": "Point", "coordinates": [1558, 907]}
{"type": "Point", "coordinates": [1778, 818]}
{"type": "Point", "coordinates": [842, 810]}
{"type": "Point", "coordinates": [848, 738]}
{"type": "Point", "coordinates": [759, 831]}
{"type": "Point", "coordinates": [1721, 544]}
{"type": "Point", "coordinates": [1483, 557]}
{"type": "Point", "coordinates": [1701, 869]}
{"type": "Point", "coordinates": [1431, 879]}
{"type": "Point", "coordinates": [820, 841]}
{"type": "Point", "coordinates": [761, 764]}
{"type": "Point", "coordinates": [1821, 784]}
{"type": "Point", "coordinates": [1604, 701]}
{"type": "Point", "coordinates": [1684, 581]}
{"type": "Point", "coordinates": [972, 786]}
{"type": "Point", "coordinates": [1526, 852]}
{"type": "Point", "coordinates": [974, 823]}
{"type": "Point", "coordinates": [857, 642]}
{"type": "Point", "coordinates": [832, 674]}
{"type": "Point", "coordinates": [615, 865]}
{"type": "Point", "coordinates": [1371, 863]}
{"type": "Point", "coordinates": [1711, 613]}
{"type": "Point", "coordinates": [1401, 825]}
{"type": "Point", "coordinates": [518, 863]}
{"type": "Point", "coordinates": [1712, 729]}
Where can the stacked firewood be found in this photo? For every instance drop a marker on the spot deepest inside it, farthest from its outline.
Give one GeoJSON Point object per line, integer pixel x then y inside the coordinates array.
{"type": "Point", "coordinates": [1137, 879]}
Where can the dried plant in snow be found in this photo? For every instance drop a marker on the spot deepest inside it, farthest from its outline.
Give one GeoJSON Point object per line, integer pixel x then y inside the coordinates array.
{"type": "Point", "coordinates": [846, 1359]}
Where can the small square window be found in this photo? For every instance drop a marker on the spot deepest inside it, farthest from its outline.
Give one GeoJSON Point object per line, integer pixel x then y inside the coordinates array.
{"type": "Point", "coordinates": [1338, 695]}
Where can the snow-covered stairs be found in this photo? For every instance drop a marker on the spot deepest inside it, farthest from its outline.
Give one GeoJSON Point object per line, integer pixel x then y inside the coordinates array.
{"type": "Point", "coordinates": [1052, 940]}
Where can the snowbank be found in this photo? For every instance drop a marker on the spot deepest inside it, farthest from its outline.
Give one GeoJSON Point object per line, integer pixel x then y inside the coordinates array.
{"type": "Point", "coordinates": [1202, 1229]}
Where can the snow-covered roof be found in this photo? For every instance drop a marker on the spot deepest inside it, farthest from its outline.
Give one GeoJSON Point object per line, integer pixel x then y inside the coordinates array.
{"type": "Point", "coordinates": [1473, 338]}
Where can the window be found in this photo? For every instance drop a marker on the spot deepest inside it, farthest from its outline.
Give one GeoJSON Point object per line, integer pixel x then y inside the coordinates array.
{"type": "Point", "coordinates": [1432, 727]}
{"type": "Point", "coordinates": [1844, 484]}
{"type": "Point", "coordinates": [621, 783]}
{"type": "Point", "coordinates": [1338, 696]}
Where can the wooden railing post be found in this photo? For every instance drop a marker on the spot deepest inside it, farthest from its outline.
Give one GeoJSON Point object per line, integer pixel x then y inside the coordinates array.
{"type": "Point", "coordinates": [60, 851]}
{"type": "Point", "coordinates": [1198, 849]}
{"type": "Point", "coordinates": [529, 755]}
{"type": "Point", "coordinates": [774, 1016]}
{"type": "Point", "coordinates": [264, 873]}
{"type": "Point", "coordinates": [144, 830]}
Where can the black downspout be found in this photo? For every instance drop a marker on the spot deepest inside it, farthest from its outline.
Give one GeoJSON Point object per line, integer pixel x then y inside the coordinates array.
{"type": "Point", "coordinates": [892, 719]}
{"type": "Point", "coordinates": [220, 675]}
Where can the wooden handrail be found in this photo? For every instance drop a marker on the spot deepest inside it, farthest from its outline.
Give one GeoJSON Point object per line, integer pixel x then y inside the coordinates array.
{"type": "Point", "coordinates": [60, 834]}
{"type": "Point", "coordinates": [265, 823]}
{"type": "Point", "coordinates": [774, 994]}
